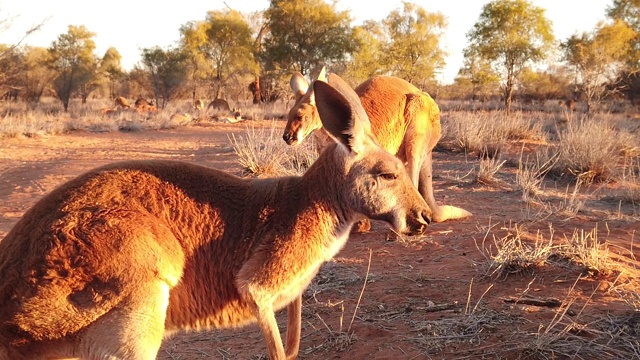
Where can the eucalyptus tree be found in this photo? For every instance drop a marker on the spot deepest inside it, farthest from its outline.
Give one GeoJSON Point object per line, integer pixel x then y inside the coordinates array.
{"type": "Point", "coordinates": [511, 34]}
{"type": "Point", "coordinates": [220, 48]}
{"type": "Point", "coordinates": [306, 33]}
{"type": "Point", "coordinates": [165, 72]}
{"type": "Point", "coordinates": [72, 58]}
{"type": "Point", "coordinates": [414, 51]}
{"type": "Point", "coordinates": [598, 57]}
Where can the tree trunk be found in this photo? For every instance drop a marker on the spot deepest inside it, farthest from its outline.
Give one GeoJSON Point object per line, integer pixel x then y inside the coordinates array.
{"type": "Point", "coordinates": [508, 89]}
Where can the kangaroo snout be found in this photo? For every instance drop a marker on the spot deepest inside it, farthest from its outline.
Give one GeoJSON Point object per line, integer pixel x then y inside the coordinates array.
{"type": "Point", "coordinates": [288, 137]}
{"type": "Point", "coordinates": [418, 221]}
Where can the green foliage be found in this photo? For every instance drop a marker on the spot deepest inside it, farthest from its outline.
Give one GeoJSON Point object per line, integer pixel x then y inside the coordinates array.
{"type": "Point", "coordinates": [477, 76]}
{"type": "Point", "coordinates": [413, 52]}
{"type": "Point", "coordinates": [628, 11]}
{"type": "Point", "coordinates": [554, 83]}
{"type": "Point", "coordinates": [10, 64]}
{"type": "Point", "coordinates": [306, 33]}
{"type": "Point", "coordinates": [72, 58]}
{"type": "Point", "coordinates": [165, 72]}
{"type": "Point", "coordinates": [37, 75]}
{"type": "Point", "coordinates": [111, 67]}
{"type": "Point", "coordinates": [367, 60]}
{"type": "Point", "coordinates": [219, 48]}
{"type": "Point", "coordinates": [511, 34]}
{"type": "Point", "coordinates": [598, 56]}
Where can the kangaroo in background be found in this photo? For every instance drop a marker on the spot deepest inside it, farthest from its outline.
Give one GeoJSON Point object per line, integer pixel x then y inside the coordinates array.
{"type": "Point", "coordinates": [108, 263]}
{"type": "Point", "coordinates": [405, 121]}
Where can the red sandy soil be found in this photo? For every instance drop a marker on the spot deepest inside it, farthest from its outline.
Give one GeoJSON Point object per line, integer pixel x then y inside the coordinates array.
{"type": "Point", "coordinates": [428, 297]}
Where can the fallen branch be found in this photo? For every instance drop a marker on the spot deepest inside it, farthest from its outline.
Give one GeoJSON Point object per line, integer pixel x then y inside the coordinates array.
{"type": "Point", "coordinates": [439, 307]}
{"type": "Point", "coordinates": [548, 302]}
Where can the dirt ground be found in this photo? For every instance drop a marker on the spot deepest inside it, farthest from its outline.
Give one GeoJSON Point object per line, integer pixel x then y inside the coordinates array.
{"type": "Point", "coordinates": [425, 298]}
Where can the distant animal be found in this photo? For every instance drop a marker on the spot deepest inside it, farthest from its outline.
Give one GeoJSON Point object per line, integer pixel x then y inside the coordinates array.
{"type": "Point", "coordinates": [107, 264]}
{"type": "Point", "coordinates": [121, 101]}
{"type": "Point", "coordinates": [198, 105]}
{"type": "Point", "coordinates": [570, 104]}
{"type": "Point", "coordinates": [219, 104]}
{"type": "Point", "coordinates": [146, 108]}
{"type": "Point", "coordinates": [111, 111]}
{"type": "Point", "coordinates": [143, 102]}
{"type": "Point", "coordinates": [404, 119]}
{"type": "Point", "coordinates": [181, 119]}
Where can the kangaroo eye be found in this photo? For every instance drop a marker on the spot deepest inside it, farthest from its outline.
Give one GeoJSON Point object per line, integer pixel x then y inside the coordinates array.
{"type": "Point", "coordinates": [389, 176]}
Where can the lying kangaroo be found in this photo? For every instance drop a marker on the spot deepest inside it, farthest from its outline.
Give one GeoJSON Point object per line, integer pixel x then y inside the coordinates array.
{"type": "Point", "coordinates": [107, 264]}
{"type": "Point", "coordinates": [405, 120]}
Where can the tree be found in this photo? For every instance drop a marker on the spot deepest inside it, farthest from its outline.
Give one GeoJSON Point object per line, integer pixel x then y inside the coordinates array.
{"type": "Point", "coordinates": [511, 34]}
{"type": "Point", "coordinates": [11, 65]}
{"type": "Point", "coordinates": [413, 52]}
{"type": "Point", "coordinates": [478, 74]}
{"type": "Point", "coordinates": [598, 57]}
{"type": "Point", "coordinates": [628, 11]}
{"type": "Point", "coordinates": [73, 60]}
{"type": "Point", "coordinates": [37, 75]}
{"type": "Point", "coordinates": [367, 60]}
{"type": "Point", "coordinates": [220, 48]}
{"type": "Point", "coordinates": [166, 72]}
{"type": "Point", "coordinates": [111, 67]}
{"type": "Point", "coordinates": [9, 68]}
{"type": "Point", "coordinates": [306, 33]}
{"type": "Point", "coordinates": [540, 85]}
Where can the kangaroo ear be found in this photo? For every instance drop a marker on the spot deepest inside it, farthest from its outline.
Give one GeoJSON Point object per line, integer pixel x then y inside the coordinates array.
{"type": "Point", "coordinates": [342, 116]}
{"type": "Point", "coordinates": [322, 75]}
{"type": "Point", "coordinates": [337, 83]}
{"type": "Point", "coordinates": [299, 85]}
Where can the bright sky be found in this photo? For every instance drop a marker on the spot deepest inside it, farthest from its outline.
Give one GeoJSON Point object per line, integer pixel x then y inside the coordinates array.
{"type": "Point", "coordinates": [135, 24]}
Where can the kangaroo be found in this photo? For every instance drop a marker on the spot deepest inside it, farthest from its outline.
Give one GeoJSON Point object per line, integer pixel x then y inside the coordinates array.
{"type": "Point", "coordinates": [108, 263]}
{"type": "Point", "coordinates": [405, 120]}
{"type": "Point", "coordinates": [122, 102]}
{"type": "Point", "coordinates": [198, 105]}
{"type": "Point", "coordinates": [219, 104]}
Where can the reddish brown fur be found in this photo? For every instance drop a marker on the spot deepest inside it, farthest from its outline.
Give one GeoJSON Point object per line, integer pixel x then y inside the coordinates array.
{"type": "Point", "coordinates": [107, 263]}
{"type": "Point", "coordinates": [146, 109]}
{"type": "Point", "coordinates": [405, 120]}
{"type": "Point", "coordinates": [219, 104]}
{"type": "Point", "coordinates": [198, 104]}
{"type": "Point", "coordinates": [143, 102]}
{"type": "Point", "coordinates": [570, 104]}
{"type": "Point", "coordinates": [122, 102]}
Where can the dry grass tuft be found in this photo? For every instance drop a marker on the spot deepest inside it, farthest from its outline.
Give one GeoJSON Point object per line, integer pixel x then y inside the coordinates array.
{"type": "Point", "coordinates": [487, 170]}
{"type": "Point", "coordinates": [511, 254]}
{"type": "Point", "coordinates": [262, 153]}
{"type": "Point", "coordinates": [587, 150]}
{"type": "Point", "coordinates": [487, 132]}
{"type": "Point", "coordinates": [530, 175]}
{"type": "Point", "coordinates": [584, 250]}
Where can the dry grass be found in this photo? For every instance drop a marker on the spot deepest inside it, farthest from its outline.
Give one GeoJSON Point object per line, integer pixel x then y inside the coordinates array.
{"type": "Point", "coordinates": [49, 118]}
{"type": "Point", "coordinates": [530, 174]}
{"type": "Point", "coordinates": [584, 250]}
{"type": "Point", "coordinates": [263, 153]}
{"type": "Point", "coordinates": [510, 254]}
{"type": "Point", "coordinates": [487, 170]}
{"type": "Point", "coordinates": [30, 124]}
{"type": "Point", "coordinates": [516, 253]}
{"type": "Point", "coordinates": [587, 150]}
{"type": "Point", "coordinates": [485, 133]}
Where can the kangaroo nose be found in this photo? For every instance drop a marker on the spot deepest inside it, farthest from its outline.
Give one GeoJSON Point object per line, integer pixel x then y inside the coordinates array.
{"type": "Point", "coordinates": [287, 137]}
